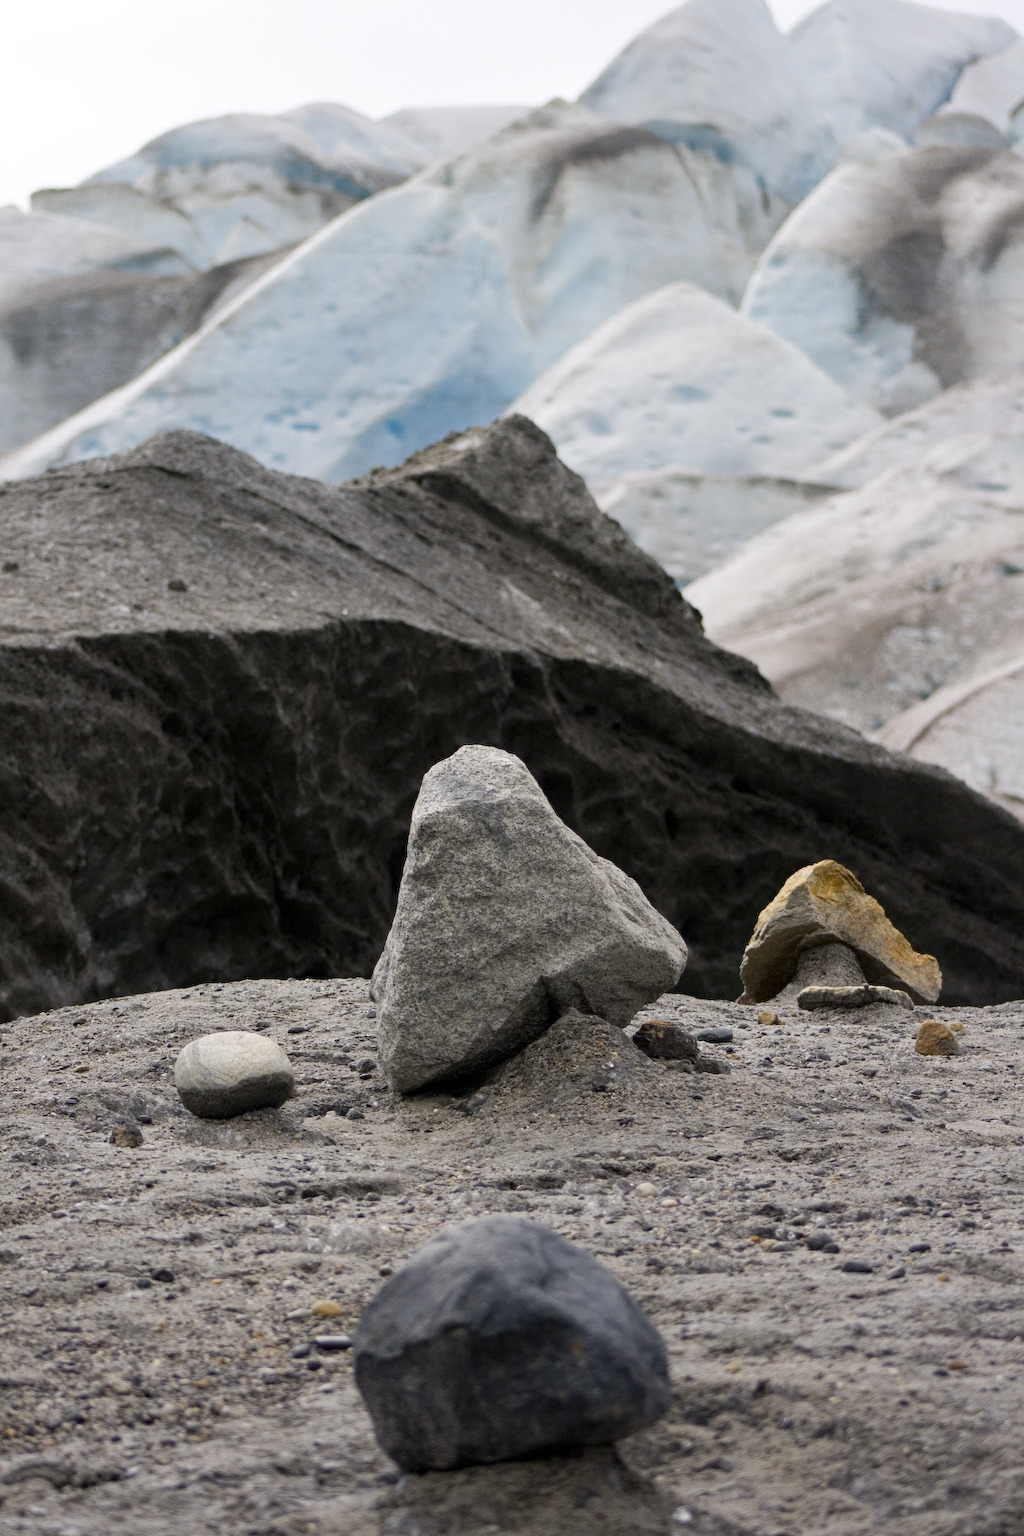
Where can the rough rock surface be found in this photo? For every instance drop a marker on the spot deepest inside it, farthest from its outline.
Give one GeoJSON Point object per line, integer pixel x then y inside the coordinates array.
{"type": "Point", "coordinates": [505, 921]}
{"type": "Point", "coordinates": [499, 1339]}
{"type": "Point", "coordinates": [805, 1399]}
{"type": "Point", "coordinates": [231, 1072]}
{"type": "Point", "coordinates": [824, 905]}
{"type": "Point", "coordinates": [226, 787]}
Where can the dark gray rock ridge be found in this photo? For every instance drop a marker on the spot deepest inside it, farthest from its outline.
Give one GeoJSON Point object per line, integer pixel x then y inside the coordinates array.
{"type": "Point", "coordinates": [216, 781]}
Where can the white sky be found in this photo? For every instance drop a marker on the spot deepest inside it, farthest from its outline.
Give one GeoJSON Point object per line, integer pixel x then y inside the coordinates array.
{"type": "Point", "coordinates": [85, 82]}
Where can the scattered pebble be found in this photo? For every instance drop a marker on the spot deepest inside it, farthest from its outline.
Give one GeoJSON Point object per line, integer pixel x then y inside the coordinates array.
{"type": "Point", "coordinates": [767, 1018]}
{"type": "Point", "coordinates": [857, 1267]}
{"type": "Point", "coordinates": [897, 1274]}
{"type": "Point", "coordinates": [226, 1074]}
{"type": "Point", "coordinates": [355, 1114]}
{"type": "Point", "coordinates": [646, 1190]}
{"type": "Point", "coordinates": [325, 1309]}
{"type": "Point", "coordinates": [718, 1036]}
{"type": "Point", "coordinates": [935, 1039]}
{"type": "Point", "coordinates": [125, 1135]}
{"type": "Point", "coordinates": [332, 1343]}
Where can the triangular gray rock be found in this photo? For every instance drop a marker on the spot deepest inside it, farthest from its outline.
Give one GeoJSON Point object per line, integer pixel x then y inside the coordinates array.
{"type": "Point", "coordinates": [505, 920]}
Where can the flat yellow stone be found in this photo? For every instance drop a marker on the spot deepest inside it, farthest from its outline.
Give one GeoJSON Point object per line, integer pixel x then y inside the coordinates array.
{"type": "Point", "coordinates": [825, 904]}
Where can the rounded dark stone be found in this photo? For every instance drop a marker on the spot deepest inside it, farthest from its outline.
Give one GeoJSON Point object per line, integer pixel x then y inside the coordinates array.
{"type": "Point", "coordinates": [499, 1340]}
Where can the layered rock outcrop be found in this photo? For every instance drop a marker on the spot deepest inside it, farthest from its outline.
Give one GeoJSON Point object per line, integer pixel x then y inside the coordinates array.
{"type": "Point", "coordinates": [222, 687]}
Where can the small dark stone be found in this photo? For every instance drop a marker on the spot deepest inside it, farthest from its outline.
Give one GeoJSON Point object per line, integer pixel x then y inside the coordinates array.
{"type": "Point", "coordinates": [164, 1276]}
{"type": "Point", "coordinates": [920, 1248]}
{"type": "Point", "coordinates": [125, 1135]}
{"type": "Point", "coordinates": [718, 1036]}
{"type": "Point", "coordinates": [332, 1343]}
{"type": "Point", "coordinates": [500, 1340]}
{"type": "Point", "coordinates": [896, 1274]}
{"type": "Point", "coordinates": [176, 585]}
{"type": "Point", "coordinates": [600, 1085]}
{"type": "Point", "coordinates": [298, 1029]}
{"type": "Point", "coordinates": [145, 1119]}
{"type": "Point", "coordinates": [144, 1283]}
{"type": "Point", "coordinates": [817, 1240]}
{"type": "Point", "coordinates": [314, 1364]}
{"type": "Point", "coordinates": [369, 1065]}
{"type": "Point", "coordinates": [666, 1042]}
{"type": "Point", "coordinates": [9, 566]}
{"type": "Point", "coordinates": [856, 1267]}
{"type": "Point", "coordinates": [385, 1270]}
{"type": "Point", "coordinates": [831, 1248]}
{"type": "Point", "coordinates": [355, 1114]}
{"type": "Point", "coordinates": [711, 1064]}
{"type": "Point", "coordinates": [302, 1351]}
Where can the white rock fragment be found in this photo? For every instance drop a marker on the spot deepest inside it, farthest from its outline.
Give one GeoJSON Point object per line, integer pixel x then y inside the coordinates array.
{"type": "Point", "coordinates": [225, 1074]}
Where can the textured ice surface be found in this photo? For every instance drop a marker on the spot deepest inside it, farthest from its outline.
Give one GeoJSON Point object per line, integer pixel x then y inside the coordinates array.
{"type": "Point", "coordinates": [679, 380]}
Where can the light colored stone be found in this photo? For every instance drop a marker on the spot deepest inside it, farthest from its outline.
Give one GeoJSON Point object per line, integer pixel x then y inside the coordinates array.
{"type": "Point", "coordinates": [505, 921]}
{"type": "Point", "coordinates": [225, 1074]}
{"type": "Point", "coordinates": [824, 904]}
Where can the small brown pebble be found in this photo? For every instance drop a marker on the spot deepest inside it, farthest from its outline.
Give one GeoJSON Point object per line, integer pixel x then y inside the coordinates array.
{"type": "Point", "coordinates": [956, 1026]}
{"type": "Point", "coordinates": [665, 1041]}
{"type": "Point", "coordinates": [124, 1135]}
{"type": "Point", "coordinates": [325, 1309]}
{"type": "Point", "coordinates": [766, 1017]}
{"type": "Point", "coordinates": [957, 1365]}
{"type": "Point", "coordinates": [942, 1280]}
{"type": "Point", "coordinates": [935, 1039]}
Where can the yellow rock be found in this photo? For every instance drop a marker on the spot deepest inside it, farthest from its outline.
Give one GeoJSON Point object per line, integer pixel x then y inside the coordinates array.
{"type": "Point", "coordinates": [325, 1309]}
{"type": "Point", "coordinates": [825, 904]}
{"type": "Point", "coordinates": [935, 1039]}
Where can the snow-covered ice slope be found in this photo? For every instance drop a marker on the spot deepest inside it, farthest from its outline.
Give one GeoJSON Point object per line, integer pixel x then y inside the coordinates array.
{"type": "Point", "coordinates": [994, 405]}
{"type": "Point", "coordinates": [872, 600]}
{"type": "Point", "coordinates": [886, 63]}
{"type": "Point", "coordinates": [717, 76]}
{"type": "Point", "coordinates": [903, 276]}
{"type": "Point", "coordinates": [428, 308]}
{"type": "Point", "coordinates": [247, 184]}
{"type": "Point", "coordinates": [679, 380]}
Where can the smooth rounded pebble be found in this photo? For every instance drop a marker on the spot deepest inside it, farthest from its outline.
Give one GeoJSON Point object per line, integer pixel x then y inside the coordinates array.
{"type": "Point", "coordinates": [500, 1340]}
{"type": "Point", "coordinates": [225, 1074]}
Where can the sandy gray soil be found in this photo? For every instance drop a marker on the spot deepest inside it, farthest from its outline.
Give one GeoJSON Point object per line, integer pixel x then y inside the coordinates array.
{"type": "Point", "coordinates": [809, 1399]}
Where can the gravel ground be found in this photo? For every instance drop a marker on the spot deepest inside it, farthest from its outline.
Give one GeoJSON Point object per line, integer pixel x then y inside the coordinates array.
{"type": "Point", "coordinates": [161, 1302]}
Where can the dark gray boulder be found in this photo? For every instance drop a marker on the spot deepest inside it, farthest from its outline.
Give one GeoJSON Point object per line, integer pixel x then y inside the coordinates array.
{"type": "Point", "coordinates": [221, 687]}
{"type": "Point", "coordinates": [498, 1340]}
